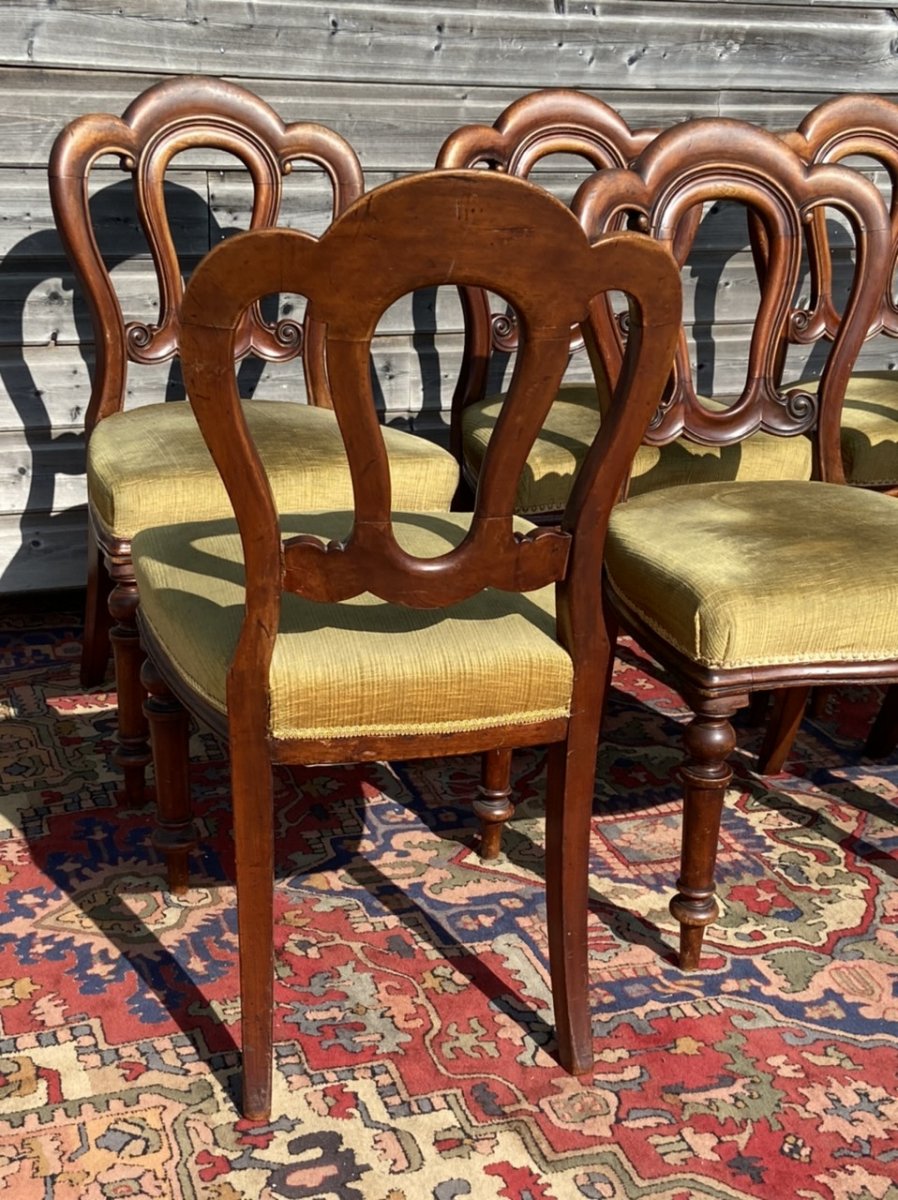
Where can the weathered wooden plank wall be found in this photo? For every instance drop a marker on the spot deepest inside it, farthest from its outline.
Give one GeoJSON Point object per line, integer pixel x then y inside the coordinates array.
{"type": "Point", "coordinates": [394, 78]}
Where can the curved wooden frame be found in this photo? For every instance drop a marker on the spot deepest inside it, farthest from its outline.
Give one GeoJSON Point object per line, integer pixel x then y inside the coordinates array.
{"type": "Point", "coordinates": [543, 123]}
{"type": "Point", "coordinates": [458, 228]}
{"type": "Point", "coordinates": [837, 129]}
{"type": "Point", "coordinates": [712, 158]}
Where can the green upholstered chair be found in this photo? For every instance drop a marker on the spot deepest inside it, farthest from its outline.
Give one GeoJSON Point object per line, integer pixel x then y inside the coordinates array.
{"type": "Point", "coordinates": [740, 585]}
{"type": "Point", "coordinates": [147, 464]}
{"type": "Point", "coordinates": [864, 129]}
{"type": "Point", "coordinates": [374, 633]}
{"type": "Point", "coordinates": [523, 138]}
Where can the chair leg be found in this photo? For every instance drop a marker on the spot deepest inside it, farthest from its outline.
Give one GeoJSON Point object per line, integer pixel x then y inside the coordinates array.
{"type": "Point", "coordinates": [569, 794]}
{"type": "Point", "coordinates": [883, 736]}
{"type": "Point", "coordinates": [132, 754]}
{"type": "Point", "coordinates": [253, 803]}
{"type": "Point", "coordinates": [788, 710]}
{"type": "Point", "coordinates": [95, 646]}
{"type": "Point", "coordinates": [706, 775]}
{"type": "Point", "coordinates": [174, 836]}
{"type": "Point", "coordinates": [493, 804]}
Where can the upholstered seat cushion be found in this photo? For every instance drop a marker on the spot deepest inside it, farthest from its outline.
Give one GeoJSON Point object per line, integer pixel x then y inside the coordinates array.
{"type": "Point", "coordinates": [571, 426]}
{"type": "Point", "coordinates": [362, 666]}
{"type": "Point", "coordinates": [151, 463]}
{"type": "Point", "coordinates": [753, 574]}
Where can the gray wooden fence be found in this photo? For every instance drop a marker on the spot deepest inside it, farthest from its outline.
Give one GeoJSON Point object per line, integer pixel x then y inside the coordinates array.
{"type": "Point", "coordinates": [393, 78]}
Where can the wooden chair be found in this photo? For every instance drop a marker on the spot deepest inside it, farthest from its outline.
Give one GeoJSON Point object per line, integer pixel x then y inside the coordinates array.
{"type": "Point", "coordinates": [149, 464]}
{"type": "Point", "coordinates": [524, 137]}
{"type": "Point", "coordinates": [746, 585]}
{"type": "Point", "coordinates": [840, 128]}
{"type": "Point", "coordinates": [373, 634]}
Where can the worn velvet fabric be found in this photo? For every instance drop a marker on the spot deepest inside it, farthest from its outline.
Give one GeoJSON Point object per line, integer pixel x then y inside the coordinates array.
{"type": "Point", "coordinates": [361, 666]}
{"type": "Point", "coordinates": [571, 426]}
{"type": "Point", "coordinates": [754, 574]}
{"type": "Point", "coordinates": [151, 463]}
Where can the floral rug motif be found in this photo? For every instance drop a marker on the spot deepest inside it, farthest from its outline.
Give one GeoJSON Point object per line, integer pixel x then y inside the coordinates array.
{"type": "Point", "coordinates": [414, 1051]}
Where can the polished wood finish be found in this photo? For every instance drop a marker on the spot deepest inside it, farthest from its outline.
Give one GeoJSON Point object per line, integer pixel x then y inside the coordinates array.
{"type": "Point", "coordinates": [837, 129]}
{"type": "Point", "coordinates": [786, 717]}
{"type": "Point", "coordinates": [184, 114]}
{"type": "Point", "coordinates": [691, 164]}
{"type": "Point", "coordinates": [462, 229]}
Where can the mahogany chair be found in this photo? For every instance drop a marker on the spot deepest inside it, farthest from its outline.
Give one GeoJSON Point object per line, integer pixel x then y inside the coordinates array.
{"type": "Point", "coordinates": [377, 634]}
{"type": "Point", "coordinates": [149, 464]}
{"type": "Point", "coordinates": [743, 585]}
{"type": "Point", "coordinates": [524, 137]}
{"type": "Point", "coordinates": [840, 128]}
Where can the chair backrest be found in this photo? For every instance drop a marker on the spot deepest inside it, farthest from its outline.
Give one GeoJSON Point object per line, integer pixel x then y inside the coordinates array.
{"type": "Point", "coordinates": [178, 115]}
{"type": "Point", "coordinates": [712, 159]}
{"type": "Point", "coordinates": [455, 228]}
{"type": "Point", "coordinates": [840, 128]}
{"type": "Point", "coordinates": [554, 121]}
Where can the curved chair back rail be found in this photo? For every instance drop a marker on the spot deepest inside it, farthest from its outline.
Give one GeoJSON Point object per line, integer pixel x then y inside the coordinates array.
{"type": "Point", "coordinates": [712, 159]}
{"type": "Point", "coordinates": [454, 228]}
{"type": "Point", "coordinates": [837, 129]}
{"type": "Point", "coordinates": [467, 231]}
{"type": "Point", "coordinates": [175, 116]}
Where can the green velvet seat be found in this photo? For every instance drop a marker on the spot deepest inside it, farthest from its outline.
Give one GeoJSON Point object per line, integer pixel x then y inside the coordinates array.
{"type": "Point", "coordinates": [571, 426]}
{"type": "Point", "coordinates": [361, 666]}
{"type": "Point", "coordinates": [721, 571]}
{"type": "Point", "coordinates": [870, 430]}
{"type": "Point", "coordinates": [153, 459]}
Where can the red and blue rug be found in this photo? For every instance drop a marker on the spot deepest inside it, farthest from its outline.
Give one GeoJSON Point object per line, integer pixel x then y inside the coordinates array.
{"type": "Point", "coordinates": [414, 1045]}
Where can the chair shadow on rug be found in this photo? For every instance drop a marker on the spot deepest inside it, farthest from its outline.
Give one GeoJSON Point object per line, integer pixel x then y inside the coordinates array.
{"type": "Point", "coordinates": [523, 854]}
{"type": "Point", "coordinates": [115, 902]}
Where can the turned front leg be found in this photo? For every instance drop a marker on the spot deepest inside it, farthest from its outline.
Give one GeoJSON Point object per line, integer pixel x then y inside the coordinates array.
{"type": "Point", "coordinates": [174, 835]}
{"type": "Point", "coordinates": [705, 775]}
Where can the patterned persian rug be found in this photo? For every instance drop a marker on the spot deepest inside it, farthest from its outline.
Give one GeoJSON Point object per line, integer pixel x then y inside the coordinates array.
{"type": "Point", "coordinates": [414, 1048]}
